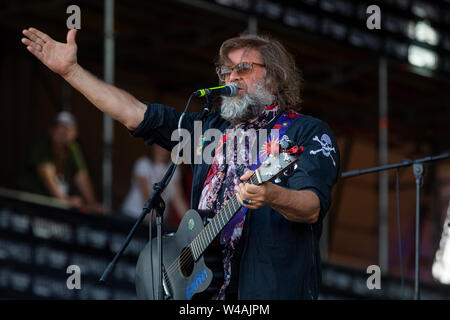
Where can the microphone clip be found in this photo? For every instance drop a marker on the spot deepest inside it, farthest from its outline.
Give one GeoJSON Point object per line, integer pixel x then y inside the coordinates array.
{"type": "Point", "coordinates": [208, 106]}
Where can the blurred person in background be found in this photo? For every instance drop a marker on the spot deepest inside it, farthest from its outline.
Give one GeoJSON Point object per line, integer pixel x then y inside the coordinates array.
{"type": "Point", "coordinates": [56, 165]}
{"type": "Point", "coordinates": [147, 171]}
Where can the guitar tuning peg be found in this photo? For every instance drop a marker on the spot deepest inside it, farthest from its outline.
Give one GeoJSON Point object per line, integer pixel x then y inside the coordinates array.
{"type": "Point", "coordinates": [277, 180]}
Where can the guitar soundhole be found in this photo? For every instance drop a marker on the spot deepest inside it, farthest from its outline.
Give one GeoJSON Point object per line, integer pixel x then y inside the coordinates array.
{"type": "Point", "coordinates": [186, 262]}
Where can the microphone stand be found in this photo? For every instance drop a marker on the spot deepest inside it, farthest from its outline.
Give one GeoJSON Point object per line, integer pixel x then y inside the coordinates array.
{"type": "Point", "coordinates": [208, 105]}
{"type": "Point", "coordinates": [418, 174]}
{"type": "Point", "coordinates": [157, 203]}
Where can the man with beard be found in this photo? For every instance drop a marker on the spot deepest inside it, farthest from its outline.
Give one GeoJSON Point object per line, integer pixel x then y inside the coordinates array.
{"type": "Point", "coordinates": [271, 251]}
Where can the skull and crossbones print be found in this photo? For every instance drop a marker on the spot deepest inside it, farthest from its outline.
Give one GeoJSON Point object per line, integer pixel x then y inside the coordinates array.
{"type": "Point", "coordinates": [326, 145]}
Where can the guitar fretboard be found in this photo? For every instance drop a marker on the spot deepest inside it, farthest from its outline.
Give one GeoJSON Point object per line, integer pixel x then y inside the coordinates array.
{"type": "Point", "coordinates": [215, 226]}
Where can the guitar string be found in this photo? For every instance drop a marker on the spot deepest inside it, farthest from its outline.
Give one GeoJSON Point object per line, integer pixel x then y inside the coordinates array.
{"type": "Point", "coordinates": [187, 256]}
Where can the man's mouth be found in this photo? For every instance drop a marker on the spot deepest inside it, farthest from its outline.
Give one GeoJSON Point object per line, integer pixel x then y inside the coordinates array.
{"type": "Point", "coordinates": [241, 88]}
{"type": "Point", "coordinates": [239, 85]}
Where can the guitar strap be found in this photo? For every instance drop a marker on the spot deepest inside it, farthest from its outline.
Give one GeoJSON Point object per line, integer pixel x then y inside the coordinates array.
{"type": "Point", "coordinates": [282, 125]}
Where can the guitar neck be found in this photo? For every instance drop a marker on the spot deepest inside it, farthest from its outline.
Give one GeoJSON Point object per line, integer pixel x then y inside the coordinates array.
{"type": "Point", "coordinates": [216, 225]}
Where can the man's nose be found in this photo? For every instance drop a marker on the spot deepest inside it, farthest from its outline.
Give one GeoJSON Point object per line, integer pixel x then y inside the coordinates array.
{"type": "Point", "coordinates": [234, 76]}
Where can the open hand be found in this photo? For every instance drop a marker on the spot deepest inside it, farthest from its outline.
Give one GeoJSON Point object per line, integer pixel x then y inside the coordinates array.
{"type": "Point", "coordinates": [58, 57]}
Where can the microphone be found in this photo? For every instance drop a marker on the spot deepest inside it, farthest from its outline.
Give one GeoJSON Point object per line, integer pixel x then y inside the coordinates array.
{"type": "Point", "coordinates": [228, 90]}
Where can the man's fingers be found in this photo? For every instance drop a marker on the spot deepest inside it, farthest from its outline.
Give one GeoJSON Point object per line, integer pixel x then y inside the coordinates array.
{"type": "Point", "coordinates": [33, 37]}
{"type": "Point", "coordinates": [26, 41]}
{"type": "Point", "coordinates": [250, 188]}
{"type": "Point", "coordinates": [32, 44]}
{"type": "Point", "coordinates": [40, 34]}
{"type": "Point", "coordinates": [38, 54]}
{"type": "Point", "coordinates": [33, 48]}
{"type": "Point", "coordinates": [246, 175]}
{"type": "Point", "coordinates": [238, 197]}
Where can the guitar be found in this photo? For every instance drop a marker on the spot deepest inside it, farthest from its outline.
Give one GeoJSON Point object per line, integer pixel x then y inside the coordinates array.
{"type": "Point", "coordinates": [184, 271]}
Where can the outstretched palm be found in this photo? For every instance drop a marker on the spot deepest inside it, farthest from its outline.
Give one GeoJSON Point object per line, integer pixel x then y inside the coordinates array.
{"type": "Point", "coordinates": [58, 57]}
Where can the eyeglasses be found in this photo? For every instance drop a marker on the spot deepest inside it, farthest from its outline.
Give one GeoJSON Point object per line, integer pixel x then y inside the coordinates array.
{"type": "Point", "coordinates": [242, 69]}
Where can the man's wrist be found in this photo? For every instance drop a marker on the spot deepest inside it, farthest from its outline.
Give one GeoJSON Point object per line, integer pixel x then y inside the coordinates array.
{"type": "Point", "coordinates": [70, 75]}
{"type": "Point", "coordinates": [273, 193]}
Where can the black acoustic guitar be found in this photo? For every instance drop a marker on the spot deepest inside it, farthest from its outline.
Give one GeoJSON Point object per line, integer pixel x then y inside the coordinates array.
{"type": "Point", "coordinates": [184, 269]}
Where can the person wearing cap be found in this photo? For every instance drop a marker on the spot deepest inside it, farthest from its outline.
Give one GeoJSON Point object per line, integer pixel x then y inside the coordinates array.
{"type": "Point", "coordinates": [56, 165]}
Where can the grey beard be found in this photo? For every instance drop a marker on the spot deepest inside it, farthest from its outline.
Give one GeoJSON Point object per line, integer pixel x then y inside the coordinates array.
{"type": "Point", "coordinates": [238, 110]}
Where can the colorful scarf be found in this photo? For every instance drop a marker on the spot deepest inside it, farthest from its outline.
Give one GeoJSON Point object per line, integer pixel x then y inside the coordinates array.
{"type": "Point", "coordinates": [223, 177]}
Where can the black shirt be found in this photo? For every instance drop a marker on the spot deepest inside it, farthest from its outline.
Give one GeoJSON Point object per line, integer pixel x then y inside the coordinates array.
{"type": "Point", "coordinates": [279, 258]}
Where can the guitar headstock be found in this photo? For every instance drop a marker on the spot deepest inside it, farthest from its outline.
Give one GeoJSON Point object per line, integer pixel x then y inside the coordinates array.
{"type": "Point", "coordinates": [277, 163]}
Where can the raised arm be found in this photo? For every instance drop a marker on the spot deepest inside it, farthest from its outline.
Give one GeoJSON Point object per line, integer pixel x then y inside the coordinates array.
{"type": "Point", "coordinates": [61, 58]}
